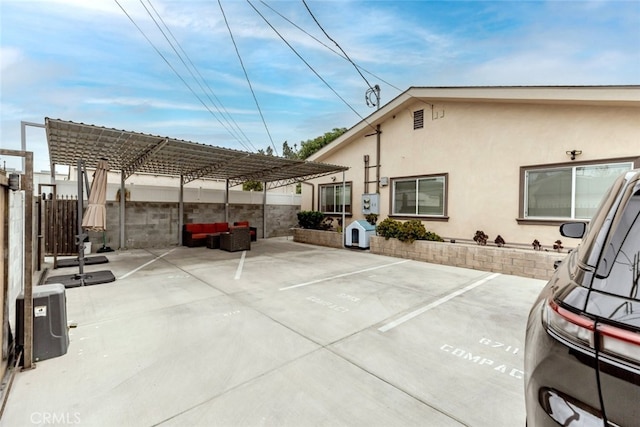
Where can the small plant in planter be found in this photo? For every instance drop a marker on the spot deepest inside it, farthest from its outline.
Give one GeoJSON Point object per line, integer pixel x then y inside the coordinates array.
{"type": "Point", "coordinates": [536, 245]}
{"type": "Point", "coordinates": [499, 241]}
{"type": "Point", "coordinates": [371, 218]}
{"type": "Point", "coordinates": [327, 223]}
{"type": "Point", "coordinates": [480, 238]}
{"type": "Point", "coordinates": [557, 245]}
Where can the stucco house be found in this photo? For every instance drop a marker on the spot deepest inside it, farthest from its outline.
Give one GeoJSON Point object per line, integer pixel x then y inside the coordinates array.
{"type": "Point", "coordinates": [510, 161]}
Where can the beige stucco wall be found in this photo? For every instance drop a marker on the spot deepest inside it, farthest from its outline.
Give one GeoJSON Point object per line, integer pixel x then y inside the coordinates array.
{"type": "Point", "coordinates": [482, 146]}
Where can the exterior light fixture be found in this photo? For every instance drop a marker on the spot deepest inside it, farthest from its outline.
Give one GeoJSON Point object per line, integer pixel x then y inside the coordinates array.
{"type": "Point", "coordinates": [574, 153]}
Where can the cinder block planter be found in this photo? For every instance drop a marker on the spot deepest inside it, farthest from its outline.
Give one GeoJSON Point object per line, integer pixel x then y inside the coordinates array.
{"type": "Point", "coordinates": [332, 239]}
{"type": "Point", "coordinates": [515, 261]}
{"type": "Point", "coordinates": [519, 262]}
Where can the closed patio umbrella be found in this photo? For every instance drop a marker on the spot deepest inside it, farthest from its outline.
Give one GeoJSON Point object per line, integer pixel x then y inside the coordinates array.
{"type": "Point", "coordinates": [95, 217]}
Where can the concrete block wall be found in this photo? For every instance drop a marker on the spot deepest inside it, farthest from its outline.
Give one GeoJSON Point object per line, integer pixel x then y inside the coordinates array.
{"type": "Point", "coordinates": [518, 262]}
{"type": "Point", "coordinates": [281, 219]}
{"type": "Point", "coordinates": [155, 224]}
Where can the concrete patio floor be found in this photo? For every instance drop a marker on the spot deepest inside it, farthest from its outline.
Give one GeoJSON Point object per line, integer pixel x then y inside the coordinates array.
{"type": "Point", "coordinates": [285, 334]}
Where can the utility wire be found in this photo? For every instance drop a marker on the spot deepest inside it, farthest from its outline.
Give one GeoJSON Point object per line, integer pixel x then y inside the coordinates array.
{"type": "Point", "coordinates": [170, 66]}
{"type": "Point", "coordinates": [336, 43]}
{"type": "Point", "coordinates": [329, 47]}
{"type": "Point", "coordinates": [338, 53]}
{"type": "Point", "coordinates": [308, 65]}
{"type": "Point", "coordinates": [247, 77]}
{"type": "Point", "coordinates": [183, 61]}
{"type": "Point", "coordinates": [229, 119]}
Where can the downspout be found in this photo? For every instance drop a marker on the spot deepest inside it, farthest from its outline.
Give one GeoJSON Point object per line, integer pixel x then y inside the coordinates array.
{"type": "Point", "coordinates": [378, 159]}
{"type": "Point", "coordinates": [344, 208]}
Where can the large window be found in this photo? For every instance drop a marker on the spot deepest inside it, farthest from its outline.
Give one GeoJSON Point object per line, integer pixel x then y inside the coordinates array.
{"type": "Point", "coordinates": [421, 196]}
{"type": "Point", "coordinates": [572, 192]}
{"type": "Point", "coordinates": [331, 198]}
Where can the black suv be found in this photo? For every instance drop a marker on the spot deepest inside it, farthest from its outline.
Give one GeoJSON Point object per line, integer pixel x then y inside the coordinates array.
{"type": "Point", "coordinates": [582, 348]}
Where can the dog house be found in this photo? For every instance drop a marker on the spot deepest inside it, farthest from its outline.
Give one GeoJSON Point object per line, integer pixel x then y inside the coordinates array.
{"type": "Point", "coordinates": [358, 233]}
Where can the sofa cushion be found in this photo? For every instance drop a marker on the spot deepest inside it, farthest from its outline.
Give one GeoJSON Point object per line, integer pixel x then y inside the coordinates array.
{"type": "Point", "coordinates": [193, 228]}
{"type": "Point", "coordinates": [221, 227]}
{"type": "Point", "coordinates": [199, 236]}
{"type": "Point", "coordinates": [209, 228]}
{"type": "Point", "coordinates": [241, 223]}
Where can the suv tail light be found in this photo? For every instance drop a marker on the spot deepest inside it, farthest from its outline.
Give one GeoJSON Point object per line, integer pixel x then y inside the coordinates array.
{"type": "Point", "coordinates": [620, 342]}
{"type": "Point", "coordinates": [574, 327]}
{"type": "Point", "coordinates": [583, 331]}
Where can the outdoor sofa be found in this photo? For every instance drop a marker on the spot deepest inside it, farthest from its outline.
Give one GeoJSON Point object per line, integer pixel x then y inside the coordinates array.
{"type": "Point", "coordinates": [195, 234]}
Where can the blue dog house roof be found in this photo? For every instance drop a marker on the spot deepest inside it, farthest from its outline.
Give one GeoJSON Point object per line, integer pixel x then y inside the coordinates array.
{"type": "Point", "coordinates": [363, 224]}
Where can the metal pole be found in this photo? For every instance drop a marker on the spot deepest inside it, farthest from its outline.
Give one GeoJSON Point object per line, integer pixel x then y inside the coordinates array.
{"type": "Point", "coordinates": [80, 236]}
{"type": "Point", "coordinates": [180, 210]}
{"type": "Point", "coordinates": [121, 209]}
{"type": "Point", "coordinates": [226, 201]}
{"type": "Point", "coordinates": [23, 138]}
{"type": "Point", "coordinates": [264, 210]}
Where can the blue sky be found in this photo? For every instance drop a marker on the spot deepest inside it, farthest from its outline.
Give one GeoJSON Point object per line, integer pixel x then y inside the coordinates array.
{"type": "Point", "coordinates": [86, 61]}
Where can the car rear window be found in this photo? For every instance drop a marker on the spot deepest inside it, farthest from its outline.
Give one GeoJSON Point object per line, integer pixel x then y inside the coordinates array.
{"type": "Point", "coordinates": [620, 265]}
{"type": "Point", "coordinates": [589, 249]}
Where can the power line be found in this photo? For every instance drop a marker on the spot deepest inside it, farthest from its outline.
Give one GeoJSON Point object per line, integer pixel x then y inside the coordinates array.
{"type": "Point", "coordinates": [171, 66]}
{"type": "Point", "coordinates": [338, 53]}
{"type": "Point", "coordinates": [308, 65]}
{"type": "Point", "coordinates": [336, 43]}
{"type": "Point", "coordinates": [329, 47]}
{"type": "Point", "coordinates": [247, 76]}
{"type": "Point", "coordinates": [229, 119]}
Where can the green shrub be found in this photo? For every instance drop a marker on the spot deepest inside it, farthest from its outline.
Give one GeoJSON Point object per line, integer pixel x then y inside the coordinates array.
{"type": "Point", "coordinates": [310, 219]}
{"type": "Point", "coordinates": [433, 237]}
{"type": "Point", "coordinates": [412, 230]}
{"type": "Point", "coordinates": [388, 228]}
{"type": "Point", "coordinates": [407, 231]}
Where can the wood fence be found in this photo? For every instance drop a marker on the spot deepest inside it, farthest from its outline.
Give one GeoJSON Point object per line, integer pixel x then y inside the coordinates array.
{"type": "Point", "coordinates": [60, 226]}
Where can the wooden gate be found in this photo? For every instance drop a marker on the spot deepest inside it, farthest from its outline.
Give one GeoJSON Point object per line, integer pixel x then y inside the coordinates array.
{"type": "Point", "coordinates": [60, 226]}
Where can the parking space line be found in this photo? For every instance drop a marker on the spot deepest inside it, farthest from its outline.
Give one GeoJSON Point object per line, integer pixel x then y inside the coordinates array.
{"type": "Point", "coordinates": [343, 275]}
{"type": "Point", "coordinates": [409, 316]}
{"type": "Point", "coordinates": [239, 269]}
{"type": "Point", "coordinates": [145, 264]}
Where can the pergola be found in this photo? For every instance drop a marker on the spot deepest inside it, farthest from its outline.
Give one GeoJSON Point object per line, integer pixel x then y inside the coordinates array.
{"type": "Point", "coordinates": [134, 152]}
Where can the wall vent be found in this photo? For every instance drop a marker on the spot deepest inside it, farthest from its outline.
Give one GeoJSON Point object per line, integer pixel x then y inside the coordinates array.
{"type": "Point", "coordinates": [418, 119]}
